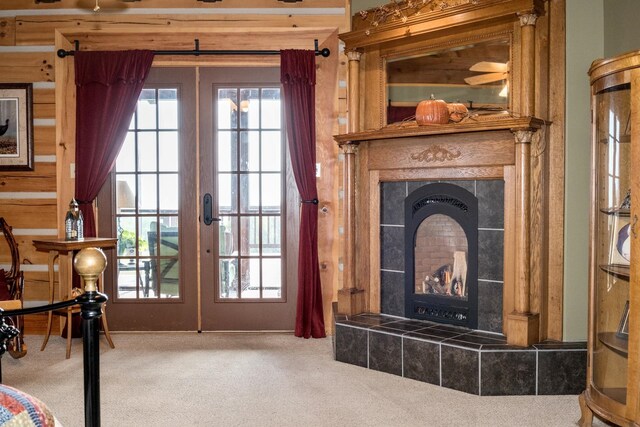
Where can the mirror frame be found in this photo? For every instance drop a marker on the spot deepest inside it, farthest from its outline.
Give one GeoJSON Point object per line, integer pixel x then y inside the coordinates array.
{"type": "Point", "coordinates": [463, 22]}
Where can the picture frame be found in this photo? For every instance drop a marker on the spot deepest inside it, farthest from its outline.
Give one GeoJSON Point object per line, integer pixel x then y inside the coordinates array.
{"type": "Point", "coordinates": [620, 242]}
{"type": "Point", "coordinates": [623, 327]}
{"type": "Point", "coordinates": [16, 126]}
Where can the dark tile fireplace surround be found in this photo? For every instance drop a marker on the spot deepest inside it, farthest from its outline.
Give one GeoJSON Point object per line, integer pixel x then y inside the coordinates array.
{"type": "Point", "coordinates": [473, 361]}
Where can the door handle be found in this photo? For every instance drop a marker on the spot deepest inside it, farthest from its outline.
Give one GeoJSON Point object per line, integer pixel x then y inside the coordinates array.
{"type": "Point", "coordinates": [207, 207]}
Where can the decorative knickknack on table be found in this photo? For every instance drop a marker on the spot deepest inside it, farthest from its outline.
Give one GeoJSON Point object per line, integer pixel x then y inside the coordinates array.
{"type": "Point", "coordinates": [73, 222]}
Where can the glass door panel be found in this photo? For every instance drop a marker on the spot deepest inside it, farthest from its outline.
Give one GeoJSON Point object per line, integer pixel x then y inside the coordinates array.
{"type": "Point", "coordinates": [249, 179]}
{"type": "Point", "coordinates": [612, 243]}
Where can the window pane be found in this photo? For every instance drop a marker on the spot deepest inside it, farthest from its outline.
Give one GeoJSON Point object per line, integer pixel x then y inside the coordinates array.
{"type": "Point", "coordinates": [271, 235]}
{"type": "Point", "coordinates": [169, 154]}
{"type": "Point", "coordinates": [147, 152]}
{"type": "Point", "coordinates": [250, 278]}
{"type": "Point", "coordinates": [271, 195]}
{"type": "Point", "coordinates": [228, 240]}
{"type": "Point", "coordinates": [271, 108]}
{"type": "Point", "coordinates": [127, 280]}
{"type": "Point", "coordinates": [169, 240]}
{"type": "Point", "coordinates": [169, 277]}
{"type": "Point", "coordinates": [271, 277]}
{"type": "Point", "coordinates": [168, 108]}
{"type": "Point", "coordinates": [126, 161]}
{"type": "Point", "coordinates": [227, 193]}
{"type": "Point", "coordinates": [228, 278]}
{"type": "Point", "coordinates": [126, 228]}
{"type": "Point", "coordinates": [250, 192]}
{"type": "Point", "coordinates": [148, 277]}
{"type": "Point", "coordinates": [271, 151]}
{"type": "Point", "coordinates": [227, 151]}
{"type": "Point", "coordinates": [249, 108]}
{"type": "Point", "coordinates": [227, 109]}
{"type": "Point", "coordinates": [126, 194]}
{"type": "Point", "coordinates": [147, 236]}
{"type": "Point", "coordinates": [146, 109]}
{"type": "Point", "coordinates": [250, 231]}
{"type": "Point", "coordinates": [250, 151]}
{"type": "Point", "coordinates": [169, 196]}
{"type": "Point", "coordinates": [147, 195]}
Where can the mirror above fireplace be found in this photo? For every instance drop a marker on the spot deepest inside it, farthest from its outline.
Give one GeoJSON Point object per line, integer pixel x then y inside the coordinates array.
{"type": "Point", "coordinates": [474, 73]}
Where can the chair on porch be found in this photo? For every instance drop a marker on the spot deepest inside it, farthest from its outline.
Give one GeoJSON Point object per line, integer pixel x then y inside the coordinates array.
{"type": "Point", "coordinates": [162, 271]}
{"type": "Point", "coordinates": [11, 288]}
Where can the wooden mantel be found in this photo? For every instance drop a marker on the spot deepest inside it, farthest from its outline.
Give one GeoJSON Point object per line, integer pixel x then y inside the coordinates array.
{"type": "Point", "coordinates": [482, 147]}
{"type": "Point", "coordinates": [471, 124]}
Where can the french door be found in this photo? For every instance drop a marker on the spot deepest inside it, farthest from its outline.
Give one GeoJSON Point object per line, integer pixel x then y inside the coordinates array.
{"type": "Point", "coordinates": [149, 206]}
{"type": "Point", "coordinates": [247, 274]}
{"type": "Point", "coordinates": [211, 200]}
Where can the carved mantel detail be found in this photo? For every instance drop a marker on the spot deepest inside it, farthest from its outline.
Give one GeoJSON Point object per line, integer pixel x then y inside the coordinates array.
{"type": "Point", "coordinates": [436, 153]}
{"type": "Point", "coordinates": [523, 136]}
{"type": "Point", "coordinates": [528, 19]}
{"type": "Point", "coordinates": [353, 55]}
{"type": "Point", "coordinates": [349, 148]}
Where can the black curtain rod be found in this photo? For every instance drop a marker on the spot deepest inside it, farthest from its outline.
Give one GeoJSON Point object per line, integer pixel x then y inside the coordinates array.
{"type": "Point", "coordinates": [197, 52]}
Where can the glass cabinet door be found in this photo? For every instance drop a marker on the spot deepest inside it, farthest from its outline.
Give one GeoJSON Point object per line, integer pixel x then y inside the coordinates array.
{"type": "Point", "coordinates": [611, 240]}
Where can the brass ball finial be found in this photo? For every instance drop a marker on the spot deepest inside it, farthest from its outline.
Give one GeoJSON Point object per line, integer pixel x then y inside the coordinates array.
{"type": "Point", "coordinates": [90, 263]}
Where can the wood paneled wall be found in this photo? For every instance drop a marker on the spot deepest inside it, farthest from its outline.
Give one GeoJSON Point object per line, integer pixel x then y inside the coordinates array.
{"type": "Point", "coordinates": [34, 202]}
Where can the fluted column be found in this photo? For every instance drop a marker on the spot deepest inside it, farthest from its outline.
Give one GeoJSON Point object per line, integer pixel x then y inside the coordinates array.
{"type": "Point", "coordinates": [523, 326]}
{"type": "Point", "coordinates": [354, 90]}
{"type": "Point", "coordinates": [528, 39]}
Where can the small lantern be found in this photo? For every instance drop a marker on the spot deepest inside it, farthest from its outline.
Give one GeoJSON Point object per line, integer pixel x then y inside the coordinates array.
{"type": "Point", "coordinates": [73, 222]}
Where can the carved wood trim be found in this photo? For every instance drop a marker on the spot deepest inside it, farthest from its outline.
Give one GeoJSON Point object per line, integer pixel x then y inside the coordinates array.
{"type": "Point", "coordinates": [436, 153]}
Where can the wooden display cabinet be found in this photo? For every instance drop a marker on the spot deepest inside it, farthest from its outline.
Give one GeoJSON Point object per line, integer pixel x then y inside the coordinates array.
{"type": "Point", "coordinates": [613, 379]}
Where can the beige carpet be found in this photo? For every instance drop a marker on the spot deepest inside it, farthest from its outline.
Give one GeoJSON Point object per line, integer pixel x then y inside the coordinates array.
{"type": "Point", "coordinates": [189, 379]}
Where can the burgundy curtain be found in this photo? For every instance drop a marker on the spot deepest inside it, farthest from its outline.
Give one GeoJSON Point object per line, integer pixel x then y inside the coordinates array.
{"type": "Point", "coordinates": [298, 77]}
{"type": "Point", "coordinates": [108, 85]}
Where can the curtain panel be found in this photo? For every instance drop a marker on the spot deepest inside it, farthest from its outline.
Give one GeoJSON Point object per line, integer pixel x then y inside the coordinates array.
{"type": "Point", "coordinates": [108, 84]}
{"type": "Point", "coordinates": [298, 77]}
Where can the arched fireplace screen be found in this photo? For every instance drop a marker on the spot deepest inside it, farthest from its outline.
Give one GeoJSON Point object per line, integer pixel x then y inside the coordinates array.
{"type": "Point", "coordinates": [441, 271]}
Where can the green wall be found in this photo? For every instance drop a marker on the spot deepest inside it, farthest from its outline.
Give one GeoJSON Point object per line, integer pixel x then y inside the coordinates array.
{"type": "Point", "coordinates": [585, 43]}
{"type": "Point", "coordinates": [621, 29]}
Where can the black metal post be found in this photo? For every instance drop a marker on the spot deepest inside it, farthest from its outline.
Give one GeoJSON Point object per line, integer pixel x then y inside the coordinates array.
{"type": "Point", "coordinates": [91, 311]}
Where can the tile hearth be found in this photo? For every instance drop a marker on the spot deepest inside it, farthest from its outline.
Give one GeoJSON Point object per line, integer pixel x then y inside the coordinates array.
{"type": "Point", "coordinates": [471, 361]}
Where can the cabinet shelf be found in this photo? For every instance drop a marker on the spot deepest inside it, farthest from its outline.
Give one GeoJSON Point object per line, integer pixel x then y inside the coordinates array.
{"type": "Point", "coordinates": [611, 340]}
{"type": "Point", "coordinates": [620, 270]}
{"type": "Point", "coordinates": [624, 139]}
{"type": "Point", "coordinates": [616, 211]}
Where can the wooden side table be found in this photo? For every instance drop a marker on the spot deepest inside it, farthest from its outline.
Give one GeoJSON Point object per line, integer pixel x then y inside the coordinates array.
{"type": "Point", "coordinates": [64, 251]}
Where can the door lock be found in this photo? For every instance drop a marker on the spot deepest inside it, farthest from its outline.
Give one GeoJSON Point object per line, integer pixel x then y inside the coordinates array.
{"type": "Point", "coordinates": [207, 207]}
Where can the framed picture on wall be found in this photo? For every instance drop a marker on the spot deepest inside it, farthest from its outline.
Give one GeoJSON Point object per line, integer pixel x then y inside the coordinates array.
{"type": "Point", "coordinates": [16, 126]}
{"type": "Point", "coordinates": [623, 327]}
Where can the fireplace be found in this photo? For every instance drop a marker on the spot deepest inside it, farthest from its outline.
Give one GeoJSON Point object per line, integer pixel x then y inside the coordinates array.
{"type": "Point", "coordinates": [487, 254]}
{"type": "Point", "coordinates": [441, 255]}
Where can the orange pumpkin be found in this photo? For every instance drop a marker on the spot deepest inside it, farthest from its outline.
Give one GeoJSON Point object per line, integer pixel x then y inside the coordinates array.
{"type": "Point", "coordinates": [457, 111]}
{"type": "Point", "coordinates": [432, 112]}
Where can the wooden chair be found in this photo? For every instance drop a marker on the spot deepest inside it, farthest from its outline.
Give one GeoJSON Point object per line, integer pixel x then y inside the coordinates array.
{"type": "Point", "coordinates": [15, 282]}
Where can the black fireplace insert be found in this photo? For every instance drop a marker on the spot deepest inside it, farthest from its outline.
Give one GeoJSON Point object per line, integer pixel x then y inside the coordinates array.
{"type": "Point", "coordinates": [441, 255]}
